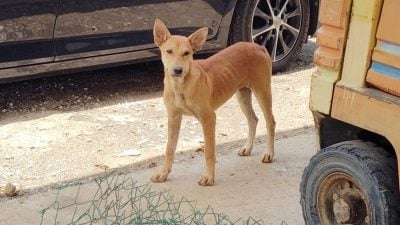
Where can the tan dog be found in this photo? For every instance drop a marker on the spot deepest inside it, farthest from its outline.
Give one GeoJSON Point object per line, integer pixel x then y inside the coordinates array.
{"type": "Point", "coordinates": [198, 87]}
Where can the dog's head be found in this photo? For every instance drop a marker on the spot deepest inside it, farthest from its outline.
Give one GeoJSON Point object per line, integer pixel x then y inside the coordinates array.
{"type": "Point", "coordinates": [177, 51]}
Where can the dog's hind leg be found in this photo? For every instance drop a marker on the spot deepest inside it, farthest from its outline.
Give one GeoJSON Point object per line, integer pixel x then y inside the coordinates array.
{"type": "Point", "coordinates": [244, 98]}
{"type": "Point", "coordinates": [262, 91]}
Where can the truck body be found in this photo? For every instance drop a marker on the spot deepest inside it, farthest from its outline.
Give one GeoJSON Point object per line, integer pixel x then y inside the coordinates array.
{"type": "Point", "coordinates": [355, 101]}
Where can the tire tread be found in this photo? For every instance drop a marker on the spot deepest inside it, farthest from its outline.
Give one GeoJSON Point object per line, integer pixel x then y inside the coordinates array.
{"type": "Point", "coordinates": [376, 161]}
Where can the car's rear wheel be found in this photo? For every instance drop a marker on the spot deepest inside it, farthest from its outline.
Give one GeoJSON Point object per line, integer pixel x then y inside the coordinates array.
{"type": "Point", "coordinates": [279, 25]}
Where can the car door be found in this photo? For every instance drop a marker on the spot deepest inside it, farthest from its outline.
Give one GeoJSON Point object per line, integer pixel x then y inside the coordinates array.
{"type": "Point", "coordinates": [26, 32]}
{"type": "Point", "coordinates": [88, 28]}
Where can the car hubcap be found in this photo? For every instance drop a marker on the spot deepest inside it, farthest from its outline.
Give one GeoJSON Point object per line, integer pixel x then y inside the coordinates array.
{"type": "Point", "coordinates": [341, 200]}
{"type": "Point", "coordinates": [276, 25]}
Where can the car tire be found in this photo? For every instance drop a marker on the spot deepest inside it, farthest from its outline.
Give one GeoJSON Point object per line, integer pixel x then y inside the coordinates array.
{"type": "Point", "coordinates": [252, 17]}
{"type": "Point", "coordinates": [352, 182]}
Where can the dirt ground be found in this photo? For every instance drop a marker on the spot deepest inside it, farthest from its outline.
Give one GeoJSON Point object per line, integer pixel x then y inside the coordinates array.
{"type": "Point", "coordinates": [74, 127]}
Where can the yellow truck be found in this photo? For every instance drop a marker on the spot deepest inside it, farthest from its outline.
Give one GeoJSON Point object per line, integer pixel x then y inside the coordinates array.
{"type": "Point", "coordinates": [355, 101]}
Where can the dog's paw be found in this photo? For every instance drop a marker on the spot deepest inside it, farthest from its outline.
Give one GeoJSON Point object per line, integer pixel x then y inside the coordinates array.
{"type": "Point", "coordinates": [268, 157]}
{"type": "Point", "coordinates": [206, 181]}
{"type": "Point", "coordinates": [244, 152]}
{"type": "Point", "coordinates": [159, 177]}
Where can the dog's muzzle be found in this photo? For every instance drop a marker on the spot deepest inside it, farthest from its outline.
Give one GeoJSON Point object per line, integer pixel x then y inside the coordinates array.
{"type": "Point", "coordinates": [177, 72]}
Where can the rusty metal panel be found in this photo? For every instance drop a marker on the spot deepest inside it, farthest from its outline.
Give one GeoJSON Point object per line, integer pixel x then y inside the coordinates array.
{"type": "Point", "coordinates": [385, 78]}
{"type": "Point", "coordinates": [360, 42]}
{"type": "Point", "coordinates": [322, 86]}
{"type": "Point", "coordinates": [369, 109]}
{"type": "Point", "coordinates": [334, 12]}
{"type": "Point", "coordinates": [331, 38]}
{"type": "Point", "coordinates": [334, 16]}
{"type": "Point", "coordinates": [328, 58]}
{"type": "Point", "coordinates": [384, 72]}
{"type": "Point", "coordinates": [387, 53]}
{"type": "Point", "coordinates": [388, 25]}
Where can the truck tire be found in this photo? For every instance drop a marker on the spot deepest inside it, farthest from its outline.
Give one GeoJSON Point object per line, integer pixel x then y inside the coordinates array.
{"type": "Point", "coordinates": [352, 182]}
{"type": "Point", "coordinates": [282, 34]}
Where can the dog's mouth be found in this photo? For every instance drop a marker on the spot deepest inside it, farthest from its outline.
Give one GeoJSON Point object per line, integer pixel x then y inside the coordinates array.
{"type": "Point", "coordinates": [176, 75]}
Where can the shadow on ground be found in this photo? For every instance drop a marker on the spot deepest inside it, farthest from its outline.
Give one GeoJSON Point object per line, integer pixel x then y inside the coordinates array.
{"type": "Point", "coordinates": [91, 89]}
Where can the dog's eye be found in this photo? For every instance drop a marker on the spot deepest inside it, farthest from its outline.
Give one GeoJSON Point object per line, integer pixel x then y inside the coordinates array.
{"type": "Point", "coordinates": [169, 51]}
{"type": "Point", "coordinates": [185, 53]}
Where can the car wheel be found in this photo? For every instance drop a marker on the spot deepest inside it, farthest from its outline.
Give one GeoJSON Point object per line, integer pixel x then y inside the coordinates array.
{"type": "Point", "coordinates": [279, 25]}
{"type": "Point", "coordinates": [352, 182]}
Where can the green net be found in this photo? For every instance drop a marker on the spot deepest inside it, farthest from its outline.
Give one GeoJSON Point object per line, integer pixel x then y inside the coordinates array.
{"type": "Point", "coordinates": [117, 200]}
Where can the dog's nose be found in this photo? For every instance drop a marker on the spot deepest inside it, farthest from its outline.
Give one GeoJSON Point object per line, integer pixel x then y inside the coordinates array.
{"type": "Point", "coordinates": [178, 70]}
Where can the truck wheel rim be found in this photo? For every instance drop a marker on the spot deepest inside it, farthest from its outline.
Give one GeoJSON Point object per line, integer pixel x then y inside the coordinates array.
{"type": "Point", "coordinates": [342, 200]}
{"type": "Point", "coordinates": [276, 25]}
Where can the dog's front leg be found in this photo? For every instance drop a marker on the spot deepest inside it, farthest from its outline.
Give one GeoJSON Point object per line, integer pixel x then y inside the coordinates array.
{"type": "Point", "coordinates": [207, 121]}
{"type": "Point", "coordinates": [174, 125]}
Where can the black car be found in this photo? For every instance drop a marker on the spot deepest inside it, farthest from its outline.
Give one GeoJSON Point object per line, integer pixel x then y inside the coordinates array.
{"type": "Point", "coordinates": [43, 37]}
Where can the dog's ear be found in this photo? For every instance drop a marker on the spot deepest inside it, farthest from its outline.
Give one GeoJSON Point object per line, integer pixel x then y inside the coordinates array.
{"type": "Point", "coordinates": [198, 38]}
{"type": "Point", "coordinates": [160, 32]}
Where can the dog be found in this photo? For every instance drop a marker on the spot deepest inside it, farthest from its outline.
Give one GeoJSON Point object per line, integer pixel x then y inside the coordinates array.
{"type": "Point", "coordinates": [199, 87]}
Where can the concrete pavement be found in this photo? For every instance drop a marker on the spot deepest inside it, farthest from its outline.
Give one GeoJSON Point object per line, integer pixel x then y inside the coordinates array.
{"type": "Point", "coordinates": [244, 187]}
